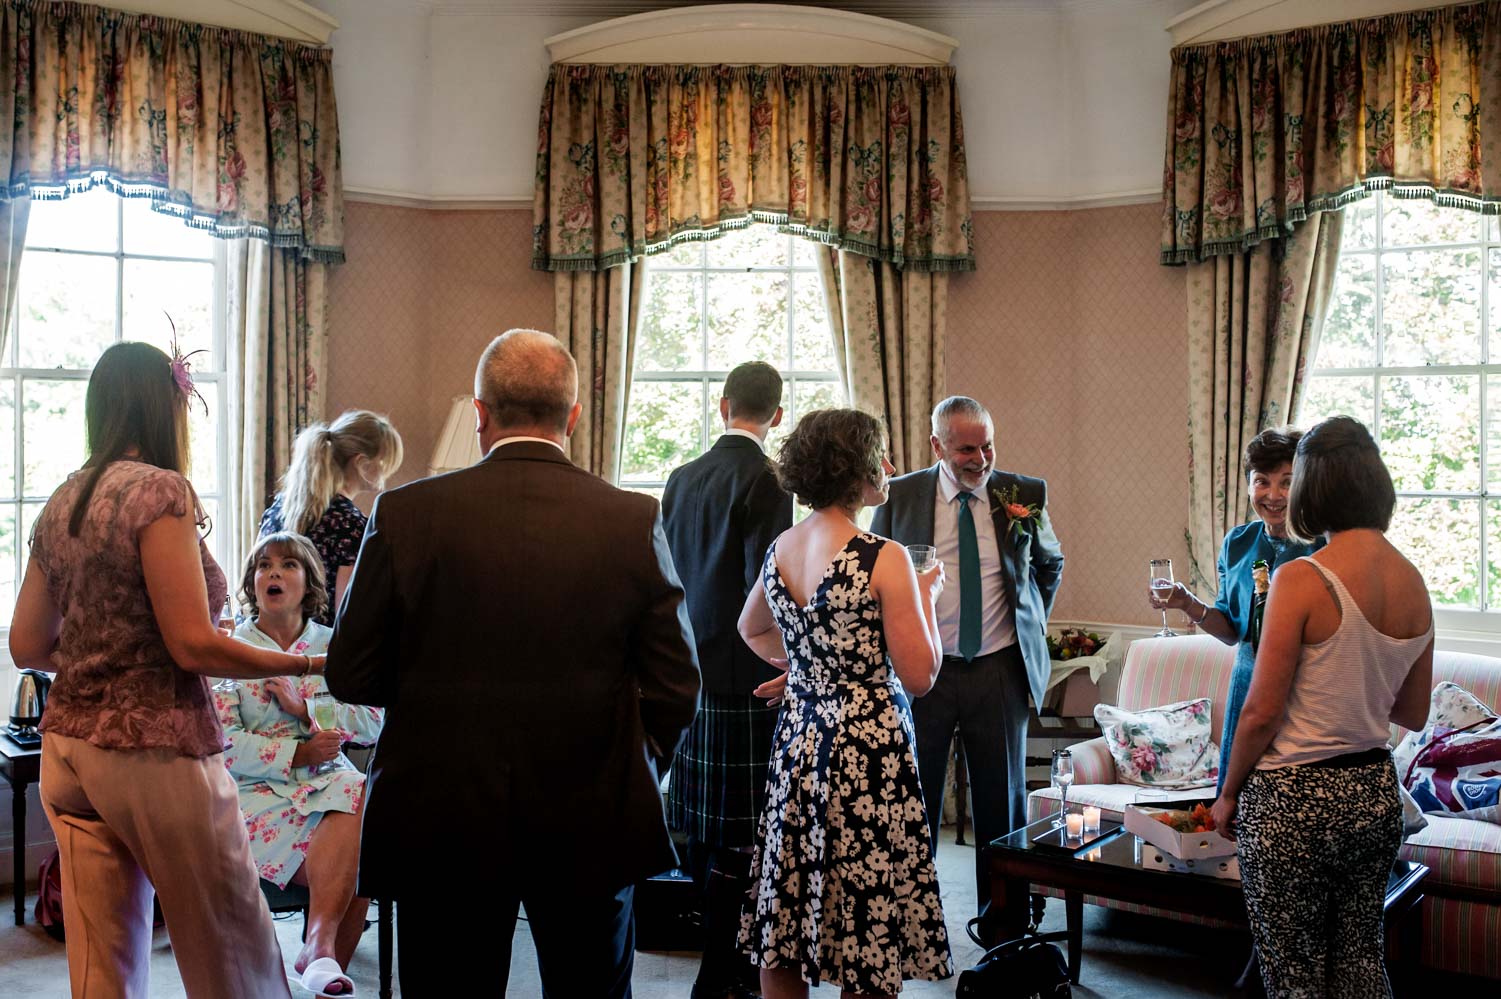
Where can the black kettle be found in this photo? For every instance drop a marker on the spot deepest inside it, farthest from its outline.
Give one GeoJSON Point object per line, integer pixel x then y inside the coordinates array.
{"type": "Point", "coordinates": [30, 698]}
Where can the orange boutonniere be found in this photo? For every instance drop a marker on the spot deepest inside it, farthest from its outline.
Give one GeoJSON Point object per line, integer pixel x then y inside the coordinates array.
{"type": "Point", "coordinates": [1021, 517]}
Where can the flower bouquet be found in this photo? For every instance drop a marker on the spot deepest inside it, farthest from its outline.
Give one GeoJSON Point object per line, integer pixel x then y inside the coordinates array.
{"type": "Point", "coordinates": [1071, 643]}
{"type": "Point", "coordinates": [1073, 650]}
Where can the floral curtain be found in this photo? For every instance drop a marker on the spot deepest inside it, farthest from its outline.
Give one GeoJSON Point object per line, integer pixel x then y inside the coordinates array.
{"type": "Point", "coordinates": [631, 159]}
{"type": "Point", "coordinates": [1264, 132]}
{"type": "Point", "coordinates": [233, 132]}
{"type": "Point", "coordinates": [888, 328]}
{"type": "Point", "coordinates": [596, 318]}
{"type": "Point", "coordinates": [1253, 321]}
{"type": "Point", "coordinates": [278, 304]}
{"type": "Point", "coordinates": [13, 217]}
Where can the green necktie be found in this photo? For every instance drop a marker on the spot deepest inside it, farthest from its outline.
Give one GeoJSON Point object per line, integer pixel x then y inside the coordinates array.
{"type": "Point", "coordinates": [969, 581]}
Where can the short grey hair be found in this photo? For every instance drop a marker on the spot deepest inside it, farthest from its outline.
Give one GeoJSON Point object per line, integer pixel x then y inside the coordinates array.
{"type": "Point", "coordinates": [957, 405]}
{"type": "Point", "coordinates": [527, 378]}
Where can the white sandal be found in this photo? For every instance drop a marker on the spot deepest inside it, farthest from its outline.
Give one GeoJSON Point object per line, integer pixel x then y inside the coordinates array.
{"type": "Point", "coordinates": [322, 973]}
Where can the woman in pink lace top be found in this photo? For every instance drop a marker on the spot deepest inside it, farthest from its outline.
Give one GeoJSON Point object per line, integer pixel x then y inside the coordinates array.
{"type": "Point", "coordinates": [117, 601]}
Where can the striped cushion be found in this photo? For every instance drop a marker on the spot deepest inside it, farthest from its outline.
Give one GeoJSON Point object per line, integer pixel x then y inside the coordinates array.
{"type": "Point", "coordinates": [1164, 670]}
{"type": "Point", "coordinates": [1462, 936]}
{"type": "Point", "coordinates": [1464, 852]}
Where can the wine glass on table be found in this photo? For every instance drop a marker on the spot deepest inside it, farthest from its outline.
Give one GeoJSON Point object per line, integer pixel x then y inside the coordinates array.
{"type": "Point", "coordinates": [323, 705]}
{"type": "Point", "coordinates": [226, 624]}
{"type": "Point", "coordinates": [1062, 777]}
{"type": "Point", "coordinates": [1161, 581]}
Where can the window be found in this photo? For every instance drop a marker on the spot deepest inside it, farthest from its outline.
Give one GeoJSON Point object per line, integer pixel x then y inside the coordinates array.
{"type": "Point", "coordinates": [1412, 348]}
{"type": "Point", "coordinates": [97, 269]}
{"type": "Point", "coordinates": [751, 295]}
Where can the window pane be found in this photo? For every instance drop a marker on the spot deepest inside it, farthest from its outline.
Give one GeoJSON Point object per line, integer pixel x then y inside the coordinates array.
{"type": "Point", "coordinates": [1442, 538]}
{"type": "Point", "coordinates": [9, 542]}
{"type": "Point", "coordinates": [158, 289]}
{"type": "Point", "coordinates": [29, 513]}
{"type": "Point", "coordinates": [67, 310]}
{"type": "Point", "coordinates": [7, 443]}
{"type": "Point", "coordinates": [78, 222]}
{"type": "Point", "coordinates": [1430, 430]}
{"type": "Point", "coordinates": [756, 246]}
{"type": "Point", "coordinates": [813, 348]}
{"type": "Point", "coordinates": [1360, 225]}
{"type": "Point", "coordinates": [808, 396]}
{"type": "Point", "coordinates": [1495, 305]}
{"type": "Point", "coordinates": [689, 253]}
{"type": "Point", "coordinates": [1349, 337]}
{"type": "Point", "coordinates": [203, 436]}
{"type": "Point", "coordinates": [160, 235]}
{"type": "Point", "coordinates": [805, 251]}
{"type": "Point", "coordinates": [669, 339]}
{"type": "Point", "coordinates": [1431, 307]}
{"type": "Point", "coordinates": [1325, 397]}
{"type": "Point", "coordinates": [1493, 550]}
{"type": "Point", "coordinates": [214, 528]}
{"type": "Point", "coordinates": [52, 432]}
{"type": "Point", "coordinates": [1413, 221]}
{"type": "Point", "coordinates": [665, 429]}
{"type": "Point", "coordinates": [1493, 448]}
{"type": "Point", "coordinates": [747, 319]}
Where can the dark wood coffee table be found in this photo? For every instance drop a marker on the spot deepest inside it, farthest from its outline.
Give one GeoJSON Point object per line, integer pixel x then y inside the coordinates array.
{"type": "Point", "coordinates": [20, 768]}
{"type": "Point", "coordinates": [1111, 868]}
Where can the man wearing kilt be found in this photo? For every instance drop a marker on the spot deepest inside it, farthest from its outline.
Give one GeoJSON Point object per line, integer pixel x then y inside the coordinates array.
{"type": "Point", "coordinates": [721, 512]}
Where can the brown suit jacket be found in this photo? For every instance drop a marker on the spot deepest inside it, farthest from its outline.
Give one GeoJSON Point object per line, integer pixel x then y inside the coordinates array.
{"type": "Point", "coordinates": [522, 623]}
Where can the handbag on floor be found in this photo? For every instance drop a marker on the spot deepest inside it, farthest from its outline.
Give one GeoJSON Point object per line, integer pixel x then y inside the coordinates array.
{"type": "Point", "coordinates": [49, 896]}
{"type": "Point", "coordinates": [1029, 967]}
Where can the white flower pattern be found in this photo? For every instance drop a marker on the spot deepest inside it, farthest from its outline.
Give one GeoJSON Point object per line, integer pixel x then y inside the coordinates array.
{"type": "Point", "coordinates": [845, 888]}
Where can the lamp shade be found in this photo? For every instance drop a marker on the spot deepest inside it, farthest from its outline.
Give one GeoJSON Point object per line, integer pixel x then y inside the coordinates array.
{"type": "Point", "coordinates": [458, 444]}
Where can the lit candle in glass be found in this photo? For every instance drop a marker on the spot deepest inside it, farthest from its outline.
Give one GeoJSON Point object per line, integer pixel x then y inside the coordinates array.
{"type": "Point", "coordinates": [1075, 824]}
{"type": "Point", "coordinates": [1091, 819]}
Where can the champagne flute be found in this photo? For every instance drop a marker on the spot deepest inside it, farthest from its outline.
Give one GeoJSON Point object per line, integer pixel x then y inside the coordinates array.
{"type": "Point", "coordinates": [322, 706]}
{"type": "Point", "coordinates": [227, 620]}
{"type": "Point", "coordinates": [1162, 587]}
{"type": "Point", "coordinates": [1063, 777]}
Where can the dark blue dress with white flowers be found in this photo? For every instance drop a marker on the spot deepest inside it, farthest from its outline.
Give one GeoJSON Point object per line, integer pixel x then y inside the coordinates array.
{"type": "Point", "coordinates": [845, 888]}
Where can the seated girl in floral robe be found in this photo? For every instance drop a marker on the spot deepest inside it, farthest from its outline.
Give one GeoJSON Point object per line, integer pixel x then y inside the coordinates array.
{"type": "Point", "coordinates": [299, 794]}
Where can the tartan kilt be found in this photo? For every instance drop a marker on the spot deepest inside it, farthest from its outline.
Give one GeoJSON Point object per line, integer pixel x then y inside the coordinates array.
{"type": "Point", "coordinates": [718, 783]}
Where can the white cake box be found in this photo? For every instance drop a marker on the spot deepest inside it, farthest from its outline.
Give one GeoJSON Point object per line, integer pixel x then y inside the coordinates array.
{"type": "Point", "coordinates": [1207, 852]}
{"type": "Point", "coordinates": [1153, 859]}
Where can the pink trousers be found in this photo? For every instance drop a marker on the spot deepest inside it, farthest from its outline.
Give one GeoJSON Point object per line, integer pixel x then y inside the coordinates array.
{"type": "Point", "coordinates": [128, 821]}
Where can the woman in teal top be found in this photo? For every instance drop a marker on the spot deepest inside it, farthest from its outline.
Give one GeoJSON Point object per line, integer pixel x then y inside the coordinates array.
{"type": "Point", "coordinates": [1269, 474]}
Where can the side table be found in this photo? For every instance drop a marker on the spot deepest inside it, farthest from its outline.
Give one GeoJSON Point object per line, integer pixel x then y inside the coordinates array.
{"type": "Point", "coordinates": [21, 768]}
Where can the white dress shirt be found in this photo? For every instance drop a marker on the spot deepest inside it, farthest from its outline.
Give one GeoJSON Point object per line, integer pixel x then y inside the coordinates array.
{"type": "Point", "coordinates": [517, 440]}
{"type": "Point", "coordinates": [997, 624]}
{"type": "Point", "coordinates": [737, 432]}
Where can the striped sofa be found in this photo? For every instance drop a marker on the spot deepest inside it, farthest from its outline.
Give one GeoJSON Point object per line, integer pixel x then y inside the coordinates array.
{"type": "Point", "coordinates": [1462, 908]}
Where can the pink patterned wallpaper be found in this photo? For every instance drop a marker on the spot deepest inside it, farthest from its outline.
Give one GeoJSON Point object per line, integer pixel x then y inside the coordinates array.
{"type": "Point", "coordinates": [1070, 332]}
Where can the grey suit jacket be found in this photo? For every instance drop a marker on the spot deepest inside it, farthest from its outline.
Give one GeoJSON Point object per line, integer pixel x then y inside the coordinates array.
{"type": "Point", "coordinates": [1031, 565]}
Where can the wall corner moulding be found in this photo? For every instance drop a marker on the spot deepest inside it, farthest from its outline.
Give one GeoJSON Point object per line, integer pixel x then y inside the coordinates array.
{"type": "Point", "coordinates": [282, 18]}
{"type": "Point", "coordinates": [779, 34]}
{"type": "Point", "coordinates": [1222, 20]}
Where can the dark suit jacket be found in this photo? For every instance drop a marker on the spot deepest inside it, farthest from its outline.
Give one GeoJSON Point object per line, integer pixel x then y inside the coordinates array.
{"type": "Point", "coordinates": [721, 511]}
{"type": "Point", "coordinates": [522, 624]}
{"type": "Point", "coordinates": [1032, 568]}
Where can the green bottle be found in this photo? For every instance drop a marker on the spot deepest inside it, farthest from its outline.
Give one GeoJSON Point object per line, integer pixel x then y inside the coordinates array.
{"type": "Point", "coordinates": [1261, 577]}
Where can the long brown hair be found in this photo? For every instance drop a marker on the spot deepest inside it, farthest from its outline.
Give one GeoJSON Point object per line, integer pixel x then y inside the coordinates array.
{"type": "Point", "coordinates": [132, 402]}
{"type": "Point", "coordinates": [315, 594]}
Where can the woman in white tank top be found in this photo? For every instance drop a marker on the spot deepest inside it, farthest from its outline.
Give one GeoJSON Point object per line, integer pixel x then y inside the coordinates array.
{"type": "Point", "coordinates": [1310, 792]}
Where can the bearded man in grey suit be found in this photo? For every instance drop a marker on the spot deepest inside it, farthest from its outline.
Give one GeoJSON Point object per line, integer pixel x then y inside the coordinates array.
{"type": "Point", "coordinates": [1003, 564]}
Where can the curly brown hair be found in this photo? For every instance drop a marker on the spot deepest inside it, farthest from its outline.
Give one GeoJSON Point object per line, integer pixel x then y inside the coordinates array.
{"type": "Point", "coordinates": [314, 599]}
{"type": "Point", "coordinates": [831, 456]}
{"type": "Point", "coordinates": [1271, 449]}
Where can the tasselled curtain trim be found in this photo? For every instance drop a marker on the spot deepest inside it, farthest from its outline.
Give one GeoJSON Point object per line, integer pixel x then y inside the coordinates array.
{"type": "Point", "coordinates": [233, 132]}
{"type": "Point", "coordinates": [1265, 132]}
{"type": "Point", "coordinates": [632, 160]}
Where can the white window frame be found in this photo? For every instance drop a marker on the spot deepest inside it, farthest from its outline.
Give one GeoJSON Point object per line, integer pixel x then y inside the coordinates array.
{"type": "Point", "coordinates": [224, 527]}
{"type": "Point", "coordinates": [704, 376]}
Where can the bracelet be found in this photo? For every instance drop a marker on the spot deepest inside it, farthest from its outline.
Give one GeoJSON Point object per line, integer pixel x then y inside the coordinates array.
{"type": "Point", "coordinates": [307, 664]}
{"type": "Point", "coordinates": [1202, 616]}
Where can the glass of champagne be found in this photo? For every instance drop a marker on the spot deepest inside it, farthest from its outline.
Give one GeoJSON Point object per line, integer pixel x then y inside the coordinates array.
{"type": "Point", "coordinates": [321, 707]}
{"type": "Point", "coordinates": [1063, 777]}
{"type": "Point", "coordinates": [1162, 587]}
{"type": "Point", "coordinates": [227, 621]}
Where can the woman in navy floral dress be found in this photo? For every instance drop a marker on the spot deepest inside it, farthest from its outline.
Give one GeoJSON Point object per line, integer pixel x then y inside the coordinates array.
{"type": "Point", "coordinates": [332, 464]}
{"type": "Point", "coordinates": [845, 890]}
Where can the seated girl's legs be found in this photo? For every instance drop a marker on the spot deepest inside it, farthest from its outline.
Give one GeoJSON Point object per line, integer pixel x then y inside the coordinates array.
{"type": "Point", "coordinates": [1287, 881]}
{"type": "Point", "coordinates": [335, 915]}
{"type": "Point", "coordinates": [783, 983]}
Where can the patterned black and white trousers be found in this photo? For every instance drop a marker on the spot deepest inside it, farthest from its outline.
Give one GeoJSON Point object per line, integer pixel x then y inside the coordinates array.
{"type": "Point", "coordinates": [1316, 847]}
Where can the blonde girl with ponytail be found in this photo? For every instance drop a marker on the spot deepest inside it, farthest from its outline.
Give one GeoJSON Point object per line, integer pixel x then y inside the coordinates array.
{"type": "Point", "coordinates": [333, 464]}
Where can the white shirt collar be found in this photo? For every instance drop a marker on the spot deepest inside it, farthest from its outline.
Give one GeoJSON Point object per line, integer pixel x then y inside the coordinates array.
{"type": "Point", "coordinates": [736, 431]}
{"type": "Point", "coordinates": [533, 440]}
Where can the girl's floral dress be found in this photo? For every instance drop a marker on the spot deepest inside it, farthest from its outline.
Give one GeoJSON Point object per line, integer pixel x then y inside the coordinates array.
{"type": "Point", "coordinates": [282, 804]}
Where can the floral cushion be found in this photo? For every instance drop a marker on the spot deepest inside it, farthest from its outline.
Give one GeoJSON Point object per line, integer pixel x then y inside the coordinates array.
{"type": "Point", "coordinates": [1166, 747]}
{"type": "Point", "coordinates": [1453, 765]}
